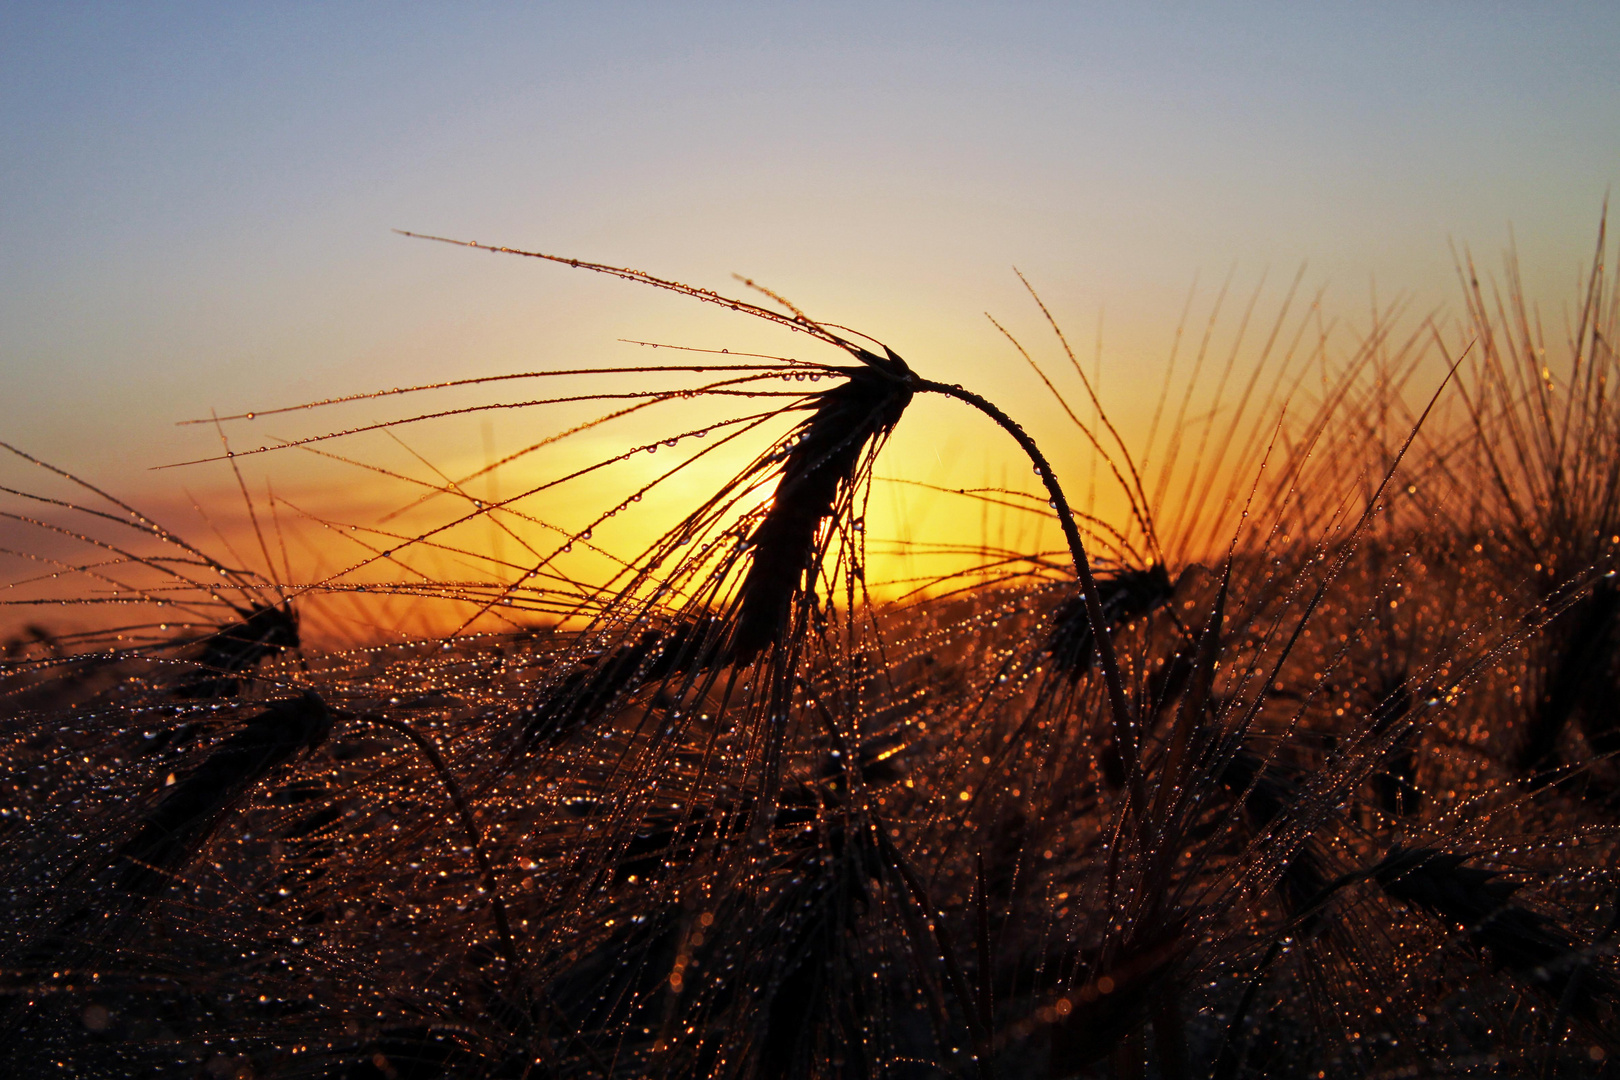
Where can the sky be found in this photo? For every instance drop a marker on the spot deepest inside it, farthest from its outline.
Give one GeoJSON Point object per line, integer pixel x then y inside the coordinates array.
{"type": "Point", "coordinates": [197, 201]}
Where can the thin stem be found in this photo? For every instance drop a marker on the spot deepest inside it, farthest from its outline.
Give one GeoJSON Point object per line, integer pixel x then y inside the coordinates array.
{"type": "Point", "coordinates": [503, 923]}
{"type": "Point", "coordinates": [972, 1011]}
{"type": "Point", "coordinates": [1124, 726]}
{"type": "Point", "coordinates": [468, 823]}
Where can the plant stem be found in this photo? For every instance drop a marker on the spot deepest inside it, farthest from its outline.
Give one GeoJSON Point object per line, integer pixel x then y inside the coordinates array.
{"type": "Point", "coordinates": [1124, 726]}
{"type": "Point", "coordinates": [475, 839]}
{"type": "Point", "coordinates": [503, 923]}
{"type": "Point", "coordinates": [972, 1012]}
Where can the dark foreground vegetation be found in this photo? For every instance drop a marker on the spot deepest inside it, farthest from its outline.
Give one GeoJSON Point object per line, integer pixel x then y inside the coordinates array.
{"type": "Point", "coordinates": [1305, 766]}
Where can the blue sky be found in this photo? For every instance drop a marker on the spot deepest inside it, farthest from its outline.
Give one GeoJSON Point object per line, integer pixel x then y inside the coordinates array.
{"type": "Point", "coordinates": [196, 200]}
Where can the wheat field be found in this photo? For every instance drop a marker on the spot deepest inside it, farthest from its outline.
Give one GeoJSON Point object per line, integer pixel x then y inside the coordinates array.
{"type": "Point", "coordinates": [1291, 755]}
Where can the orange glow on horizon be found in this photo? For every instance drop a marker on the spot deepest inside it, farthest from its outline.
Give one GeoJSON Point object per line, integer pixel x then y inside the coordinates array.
{"type": "Point", "coordinates": [509, 503]}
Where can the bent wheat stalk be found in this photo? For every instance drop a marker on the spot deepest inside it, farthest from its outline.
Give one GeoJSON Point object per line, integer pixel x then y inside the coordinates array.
{"type": "Point", "coordinates": [849, 417]}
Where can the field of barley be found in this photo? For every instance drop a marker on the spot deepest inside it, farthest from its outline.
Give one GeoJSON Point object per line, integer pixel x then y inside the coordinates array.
{"type": "Point", "coordinates": [1274, 738]}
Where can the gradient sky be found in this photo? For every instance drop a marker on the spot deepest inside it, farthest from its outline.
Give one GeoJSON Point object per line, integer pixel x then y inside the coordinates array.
{"type": "Point", "coordinates": [196, 200]}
